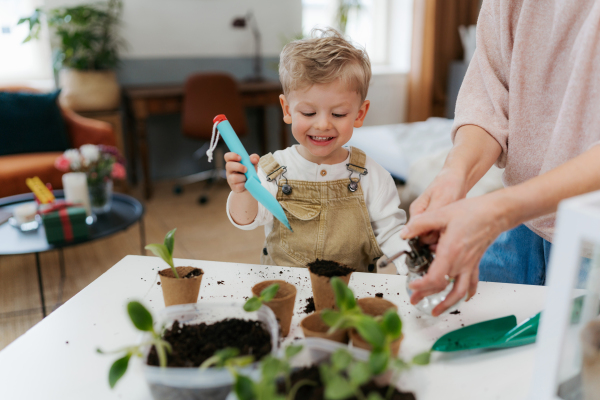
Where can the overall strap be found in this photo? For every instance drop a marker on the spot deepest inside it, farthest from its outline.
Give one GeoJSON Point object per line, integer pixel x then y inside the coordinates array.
{"type": "Point", "coordinates": [358, 159]}
{"type": "Point", "coordinates": [270, 166]}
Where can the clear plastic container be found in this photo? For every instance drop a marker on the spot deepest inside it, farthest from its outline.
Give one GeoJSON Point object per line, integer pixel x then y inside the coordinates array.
{"type": "Point", "coordinates": [213, 383]}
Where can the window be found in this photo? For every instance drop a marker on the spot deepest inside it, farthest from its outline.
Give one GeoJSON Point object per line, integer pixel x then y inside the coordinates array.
{"type": "Point", "coordinates": [22, 63]}
{"type": "Point", "coordinates": [382, 27]}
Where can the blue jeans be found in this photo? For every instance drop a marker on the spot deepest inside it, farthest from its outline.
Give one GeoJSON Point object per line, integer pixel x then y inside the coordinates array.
{"type": "Point", "coordinates": [517, 256]}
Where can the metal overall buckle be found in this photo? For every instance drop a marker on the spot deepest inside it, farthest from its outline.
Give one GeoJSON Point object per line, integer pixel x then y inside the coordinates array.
{"type": "Point", "coordinates": [353, 185]}
{"type": "Point", "coordinates": [286, 188]}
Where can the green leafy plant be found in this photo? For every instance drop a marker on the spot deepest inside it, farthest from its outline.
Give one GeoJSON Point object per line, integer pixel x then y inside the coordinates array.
{"type": "Point", "coordinates": [228, 358]}
{"type": "Point", "coordinates": [344, 8]}
{"type": "Point", "coordinates": [272, 370]}
{"type": "Point", "coordinates": [266, 295]}
{"type": "Point", "coordinates": [86, 36]}
{"type": "Point", "coordinates": [142, 320]}
{"type": "Point", "coordinates": [165, 250]}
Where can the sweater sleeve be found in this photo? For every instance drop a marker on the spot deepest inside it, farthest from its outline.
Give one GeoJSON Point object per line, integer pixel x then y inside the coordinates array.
{"type": "Point", "coordinates": [483, 96]}
{"type": "Point", "coordinates": [387, 219]}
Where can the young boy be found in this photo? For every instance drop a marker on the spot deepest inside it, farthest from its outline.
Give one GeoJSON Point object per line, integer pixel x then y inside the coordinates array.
{"type": "Point", "coordinates": [341, 205]}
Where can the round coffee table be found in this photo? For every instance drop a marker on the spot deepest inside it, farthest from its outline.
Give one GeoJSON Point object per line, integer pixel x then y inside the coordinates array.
{"type": "Point", "coordinates": [125, 211]}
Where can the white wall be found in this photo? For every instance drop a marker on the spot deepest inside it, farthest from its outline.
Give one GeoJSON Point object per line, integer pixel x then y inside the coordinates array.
{"type": "Point", "coordinates": [202, 28]}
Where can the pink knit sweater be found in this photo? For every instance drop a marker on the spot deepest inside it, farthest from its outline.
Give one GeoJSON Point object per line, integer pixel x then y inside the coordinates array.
{"type": "Point", "coordinates": [534, 85]}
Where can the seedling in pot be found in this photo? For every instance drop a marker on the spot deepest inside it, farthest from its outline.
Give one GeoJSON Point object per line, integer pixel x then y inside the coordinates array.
{"type": "Point", "coordinates": [228, 358]}
{"type": "Point", "coordinates": [142, 320]}
{"type": "Point", "coordinates": [165, 250]}
{"type": "Point", "coordinates": [272, 370]}
{"type": "Point", "coordinates": [268, 294]}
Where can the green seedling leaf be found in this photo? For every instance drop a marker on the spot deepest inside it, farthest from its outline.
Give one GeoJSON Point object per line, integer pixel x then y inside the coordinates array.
{"type": "Point", "coordinates": [391, 324]}
{"type": "Point", "coordinates": [160, 250]}
{"type": "Point", "coordinates": [359, 373]}
{"type": "Point", "coordinates": [370, 330]}
{"type": "Point", "coordinates": [170, 241]}
{"type": "Point", "coordinates": [399, 364]}
{"type": "Point", "coordinates": [339, 292]}
{"type": "Point", "coordinates": [340, 360]}
{"type": "Point", "coordinates": [338, 388]}
{"type": "Point", "coordinates": [422, 358]}
{"type": "Point", "coordinates": [141, 318]}
{"type": "Point", "coordinates": [117, 370]}
{"type": "Point", "coordinates": [269, 292]}
{"type": "Point", "coordinates": [374, 396]}
{"type": "Point", "coordinates": [292, 350]}
{"type": "Point", "coordinates": [326, 373]}
{"type": "Point", "coordinates": [244, 388]}
{"type": "Point", "coordinates": [330, 317]}
{"type": "Point", "coordinates": [252, 304]}
{"type": "Point", "coordinates": [272, 367]}
{"type": "Point", "coordinates": [241, 361]}
{"type": "Point", "coordinates": [378, 361]}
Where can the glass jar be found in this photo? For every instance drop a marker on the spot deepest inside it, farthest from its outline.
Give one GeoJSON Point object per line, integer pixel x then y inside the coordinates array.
{"type": "Point", "coordinates": [101, 196]}
{"type": "Point", "coordinates": [427, 304]}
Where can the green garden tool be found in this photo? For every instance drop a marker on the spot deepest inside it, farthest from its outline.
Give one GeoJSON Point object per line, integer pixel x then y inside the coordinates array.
{"type": "Point", "coordinates": [493, 334]}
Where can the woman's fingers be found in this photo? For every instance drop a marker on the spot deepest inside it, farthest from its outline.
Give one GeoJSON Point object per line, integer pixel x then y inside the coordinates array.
{"type": "Point", "coordinates": [473, 283]}
{"type": "Point", "coordinates": [461, 285]}
{"type": "Point", "coordinates": [419, 206]}
{"type": "Point", "coordinates": [424, 223]}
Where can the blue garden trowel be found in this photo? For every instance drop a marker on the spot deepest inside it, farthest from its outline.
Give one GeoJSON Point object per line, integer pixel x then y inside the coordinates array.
{"type": "Point", "coordinates": [253, 185]}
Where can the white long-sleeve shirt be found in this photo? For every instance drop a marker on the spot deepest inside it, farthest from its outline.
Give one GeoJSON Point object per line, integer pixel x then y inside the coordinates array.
{"type": "Point", "coordinates": [381, 197]}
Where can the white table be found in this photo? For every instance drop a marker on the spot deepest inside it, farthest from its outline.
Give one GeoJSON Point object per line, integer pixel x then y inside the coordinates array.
{"type": "Point", "coordinates": [57, 359]}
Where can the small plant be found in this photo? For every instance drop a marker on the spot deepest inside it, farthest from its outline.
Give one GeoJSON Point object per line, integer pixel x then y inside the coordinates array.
{"type": "Point", "coordinates": [266, 295]}
{"type": "Point", "coordinates": [228, 358]}
{"type": "Point", "coordinates": [165, 250]}
{"type": "Point", "coordinates": [272, 369]}
{"type": "Point", "coordinates": [142, 320]}
{"type": "Point", "coordinates": [87, 35]}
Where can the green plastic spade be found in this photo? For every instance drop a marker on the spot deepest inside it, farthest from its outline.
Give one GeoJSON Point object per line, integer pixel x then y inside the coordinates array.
{"type": "Point", "coordinates": [492, 334]}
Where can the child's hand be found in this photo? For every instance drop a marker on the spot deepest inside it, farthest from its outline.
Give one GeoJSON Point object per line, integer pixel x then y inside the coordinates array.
{"type": "Point", "coordinates": [235, 171]}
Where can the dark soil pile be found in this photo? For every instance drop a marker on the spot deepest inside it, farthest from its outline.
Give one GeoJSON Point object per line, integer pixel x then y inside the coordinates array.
{"type": "Point", "coordinates": [193, 273]}
{"type": "Point", "coordinates": [310, 305]}
{"type": "Point", "coordinates": [318, 392]}
{"type": "Point", "coordinates": [193, 344]}
{"type": "Point", "coordinates": [328, 268]}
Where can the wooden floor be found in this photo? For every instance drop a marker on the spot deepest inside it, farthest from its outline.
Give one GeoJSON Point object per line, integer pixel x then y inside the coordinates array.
{"type": "Point", "coordinates": [203, 232]}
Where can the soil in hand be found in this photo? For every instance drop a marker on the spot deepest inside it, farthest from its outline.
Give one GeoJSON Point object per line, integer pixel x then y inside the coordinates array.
{"type": "Point", "coordinates": [193, 344]}
{"type": "Point", "coordinates": [317, 392]}
{"type": "Point", "coordinates": [310, 305]}
{"type": "Point", "coordinates": [328, 268]}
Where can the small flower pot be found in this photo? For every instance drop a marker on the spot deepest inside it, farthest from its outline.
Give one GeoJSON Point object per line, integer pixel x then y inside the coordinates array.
{"type": "Point", "coordinates": [590, 345]}
{"type": "Point", "coordinates": [320, 279]}
{"type": "Point", "coordinates": [314, 326]}
{"type": "Point", "coordinates": [183, 290]}
{"type": "Point", "coordinates": [282, 304]}
{"type": "Point", "coordinates": [375, 307]}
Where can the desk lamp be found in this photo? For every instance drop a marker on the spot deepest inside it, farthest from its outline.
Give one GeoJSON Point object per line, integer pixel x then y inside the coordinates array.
{"type": "Point", "coordinates": [242, 22]}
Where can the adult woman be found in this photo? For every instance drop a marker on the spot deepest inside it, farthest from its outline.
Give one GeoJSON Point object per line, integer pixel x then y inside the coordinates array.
{"type": "Point", "coordinates": [529, 102]}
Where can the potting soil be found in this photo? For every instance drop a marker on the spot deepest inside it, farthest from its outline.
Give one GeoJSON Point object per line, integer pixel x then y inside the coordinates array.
{"type": "Point", "coordinates": [328, 268]}
{"type": "Point", "coordinates": [308, 392]}
{"type": "Point", "coordinates": [310, 305]}
{"type": "Point", "coordinates": [193, 273]}
{"type": "Point", "coordinates": [193, 344]}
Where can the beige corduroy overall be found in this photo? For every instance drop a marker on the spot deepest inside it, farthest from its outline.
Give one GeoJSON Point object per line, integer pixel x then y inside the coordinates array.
{"type": "Point", "coordinates": [330, 221]}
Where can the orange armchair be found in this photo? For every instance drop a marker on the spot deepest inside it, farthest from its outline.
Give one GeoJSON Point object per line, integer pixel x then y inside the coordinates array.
{"type": "Point", "coordinates": [15, 168]}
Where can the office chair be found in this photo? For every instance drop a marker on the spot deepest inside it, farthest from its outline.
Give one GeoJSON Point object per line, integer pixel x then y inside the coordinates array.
{"type": "Point", "coordinates": [205, 96]}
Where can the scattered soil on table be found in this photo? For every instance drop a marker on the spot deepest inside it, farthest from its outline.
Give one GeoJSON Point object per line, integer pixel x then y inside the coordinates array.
{"type": "Point", "coordinates": [455, 312]}
{"type": "Point", "coordinates": [193, 344]}
{"type": "Point", "coordinates": [310, 305]}
{"type": "Point", "coordinates": [318, 392]}
{"type": "Point", "coordinates": [380, 295]}
{"type": "Point", "coordinates": [328, 268]}
{"type": "Point", "coordinates": [158, 283]}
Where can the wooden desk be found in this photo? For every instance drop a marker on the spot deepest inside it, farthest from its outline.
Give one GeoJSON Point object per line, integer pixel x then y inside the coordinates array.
{"type": "Point", "coordinates": [143, 101]}
{"type": "Point", "coordinates": [60, 351]}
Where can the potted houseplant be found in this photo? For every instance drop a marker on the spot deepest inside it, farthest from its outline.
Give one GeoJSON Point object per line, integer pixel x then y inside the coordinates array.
{"type": "Point", "coordinates": [279, 296]}
{"type": "Point", "coordinates": [180, 285]}
{"type": "Point", "coordinates": [86, 52]}
{"type": "Point", "coordinates": [176, 363]}
{"type": "Point", "coordinates": [321, 272]}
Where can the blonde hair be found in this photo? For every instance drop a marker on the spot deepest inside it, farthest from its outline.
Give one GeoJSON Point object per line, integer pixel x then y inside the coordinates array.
{"type": "Point", "coordinates": [323, 58]}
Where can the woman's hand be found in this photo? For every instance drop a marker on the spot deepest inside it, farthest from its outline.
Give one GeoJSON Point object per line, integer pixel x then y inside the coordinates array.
{"type": "Point", "coordinates": [466, 228]}
{"type": "Point", "coordinates": [446, 188]}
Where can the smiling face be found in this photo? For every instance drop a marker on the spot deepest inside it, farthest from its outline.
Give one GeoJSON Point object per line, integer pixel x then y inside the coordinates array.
{"type": "Point", "coordinates": [323, 117]}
